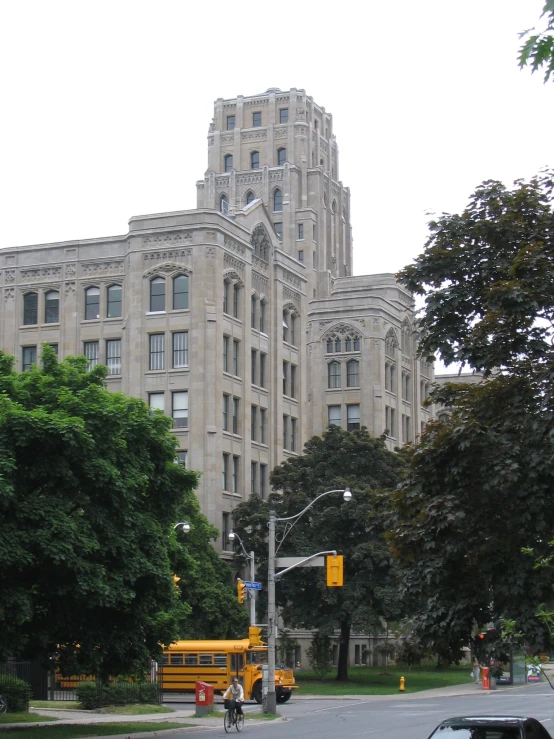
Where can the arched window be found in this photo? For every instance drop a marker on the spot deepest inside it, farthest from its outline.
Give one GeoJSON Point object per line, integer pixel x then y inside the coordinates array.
{"type": "Point", "coordinates": [293, 329]}
{"type": "Point", "coordinates": [253, 311]}
{"type": "Point", "coordinates": [52, 307]}
{"type": "Point", "coordinates": [333, 206]}
{"type": "Point", "coordinates": [262, 316]}
{"type": "Point", "coordinates": [356, 343]}
{"type": "Point", "coordinates": [333, 374]}
{"type": "Point", "coordinates": [321, 162]}
{"type": "Point", "coordinates": [92, 303]}
{"type": "Point", "coordinates": [157, 294]}
{"type": "Point", "coordinates": [30, 309]}
{"type": "Point", "coordinates": [281, 156]}
{"type": "Point", "coordinates": [329, 346]}
{"type": "Point", "coordinates": [114, 301]}
{"type": "Point", "coordinates": [226, 290]}
{"type": "Point", "coordinates": [338, 345]}
{"type": "Point", "coordinates": [277, 201]}
{"type": "Point", "coordinates": [443, 417]}
{"type": "Point", "coordinates": [236, 293]}
{"type": "Point", "coordinates": [228, 162]}
{"type": "Point", "coordinates": [254, 160]}
{"type": "Point", "coordinates": [285, 325]}
{"type": "Point", "coordinates": [353, 373]}
{"type": "Point", "coordinates": [250, 197]}
{"type": "Point", "coordinates": [224, 204]}
{"type": "Point", "coordinates": [181, 292]}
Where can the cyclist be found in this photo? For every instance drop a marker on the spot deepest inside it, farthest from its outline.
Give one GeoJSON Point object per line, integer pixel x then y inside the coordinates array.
{"type": "Point", "coordinates": [236, 693]}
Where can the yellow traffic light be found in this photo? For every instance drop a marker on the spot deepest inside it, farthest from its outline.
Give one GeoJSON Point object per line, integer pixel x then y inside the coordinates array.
{"type": "Point", "coordinates": [241, 591]}
{"type": "Point", "coordinates": [334, 571]}
{"type": "Point", "coordinates": [176, 579]}
{"type": "Point", "coordinates": [255, 636]}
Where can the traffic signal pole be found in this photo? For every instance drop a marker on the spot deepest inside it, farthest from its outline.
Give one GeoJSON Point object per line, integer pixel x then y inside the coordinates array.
{"type": "Point", "coordinates": [252, 593]}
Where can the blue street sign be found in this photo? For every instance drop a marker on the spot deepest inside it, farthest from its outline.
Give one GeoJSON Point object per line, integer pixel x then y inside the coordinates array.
{"type": "Point", "coordinates": [252, 585]}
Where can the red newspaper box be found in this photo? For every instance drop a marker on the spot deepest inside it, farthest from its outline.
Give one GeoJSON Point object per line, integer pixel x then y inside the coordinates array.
{"type": "Point", "coordinates": [485, 678]}
{"type": "Point", "coordinates": [204, 698]}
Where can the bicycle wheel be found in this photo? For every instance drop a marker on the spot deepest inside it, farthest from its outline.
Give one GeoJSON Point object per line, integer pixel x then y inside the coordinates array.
{"type": "Point", "coordinates": [228, 720]}
{"type": "Point", "coordinates": [3, 705]}
{"type": "Point", "coordinates": [240, 722]}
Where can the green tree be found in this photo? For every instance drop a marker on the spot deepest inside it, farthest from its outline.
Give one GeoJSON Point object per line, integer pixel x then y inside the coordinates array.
{"type": "Point", "coordinates": [89, 493]}
{"type": "Point", "coordinates": [479, 486]}
{"type": "Point", "coordinates": [538, 49]}
{"type": "Point", "coordinates": [332, 461]}
{"type": "Point", "coordinates": [320, 654]}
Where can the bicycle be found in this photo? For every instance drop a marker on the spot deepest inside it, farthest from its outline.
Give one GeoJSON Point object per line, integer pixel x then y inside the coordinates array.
{"type": "Point", "coordinates": [3, 705]}
{"type": "Point", "coordinates": [232, 718]}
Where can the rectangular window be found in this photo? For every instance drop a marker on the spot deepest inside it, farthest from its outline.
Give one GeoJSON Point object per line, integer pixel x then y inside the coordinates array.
{"type": "Point", "coordinates": [253, 302]}
{"type": "Point", "coordinates": [182, 458]}
{"type": "Point", "coordinates": [225, 413]}
{"type": "Point", "coordinates": [256, 120]}
{"type": "Point", "coordinates": [301, 256]}
{"type": "Point", "coordinates": [334, 415]}
{"type": "Point", "coordinates": [180, 401]}
{"type": "Point", "coordinates": [352, 417]}
{"type": "Point", "coordinates": [226, 289]}
{"type": "Point", "coordinates": [406, 386]}
{"type": "Point", "coordinates": [113, 356]}
{"type": "Point", "coordinates": [314, 263]}
{"type": "Point", "coordinates": [226, 354]}
{"type": "Point", "coordinates": [293, 425]}
{"type": "Point", "coordinates": [180, 349]}
{"type": "Point", "coordinates": [55, 348]}
{"type": "Point", "coordinates": [353, 374]}
{"type": "Point", "coordinates": [30, 309]}
{"type": "Point", "coordinates": [236, 292]}
{"type": "Point", "coordinates": [263, 480]}
{"type": "Point", "coordinates": [293, 329]}
{"type": "Point", "coordinates": [114, 295]}
{"type": "Point", "coordinates": [393, 422]}
{"type": "Point", "coordinates": [29, 357]}
{"type": "Point", "coordinates": [279, 230]}
{"type": "Point", "coordinates": [313, 233]}
{"type": "Point", "coordinates": [225, 477]}
{"type": "Point", "coordinates": [293, 381]}
{"type": "Point", "coordinates": [235, 480]}
{"type": "Point", "coordinates": [225, 531]}
{"type": "Point", "coordinates": [284, 115]}
{"type": "Point", "coordinates": [230, 122]}
{"type": "Point", "coordinates": [156, 401]}
{"type": "Point", "coordinates": [263, 358]}
{"type": "Point", "coordinates": [236, 402]}
{"type": "Point", "coordinates": [157, 350]}
{"type": "Point", "coordinates": [91, 350]}
{"type": "Point", "coordinates": [236, 344]}
{"type": "Point", "coordinates": [285, 432]}
{"type": "Point", "coordinates": [262, 316]}
{"type": "Point", "coordinates": [285, 378]}
{"type": "Point", "coordinates": [254, 365]}
{"type": "Point", "coordinates": [253, 478]}
{"type": "Point", "coordinates": [300, 231]}
{"type": "Point", "coordinates": [253, 422]}
{"type": "Point", "coordinates": [262, 425]}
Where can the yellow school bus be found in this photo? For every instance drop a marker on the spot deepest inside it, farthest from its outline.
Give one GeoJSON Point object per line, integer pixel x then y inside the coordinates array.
{"type": "Point", "coordinates": [217, 662]}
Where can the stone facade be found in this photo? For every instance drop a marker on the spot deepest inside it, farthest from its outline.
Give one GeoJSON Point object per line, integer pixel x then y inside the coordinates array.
{"type": "Point", "coordinates": [241, 318]}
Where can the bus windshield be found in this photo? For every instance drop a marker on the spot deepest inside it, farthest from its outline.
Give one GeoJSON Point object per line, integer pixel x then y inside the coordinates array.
{"type": "Point", "coordinates": [259, 657]}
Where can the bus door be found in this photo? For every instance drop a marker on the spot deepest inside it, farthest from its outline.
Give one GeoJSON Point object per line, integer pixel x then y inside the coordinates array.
{"type": "Point", "coordinates": [237, 666]}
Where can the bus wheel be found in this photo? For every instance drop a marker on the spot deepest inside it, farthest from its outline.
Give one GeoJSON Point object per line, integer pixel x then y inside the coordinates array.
{"type": "Point", "coordinates": [257, 692]}
{"type": "Point", "coordinates": [283, 697]}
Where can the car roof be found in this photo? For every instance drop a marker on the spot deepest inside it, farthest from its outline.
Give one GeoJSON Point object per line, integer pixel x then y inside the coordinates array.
{"type": "Point", "coordinates": [483, 720]}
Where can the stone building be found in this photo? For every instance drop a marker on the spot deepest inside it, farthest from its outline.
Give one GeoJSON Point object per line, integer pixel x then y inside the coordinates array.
{"type": "Point", "coordinates": [240, 319]}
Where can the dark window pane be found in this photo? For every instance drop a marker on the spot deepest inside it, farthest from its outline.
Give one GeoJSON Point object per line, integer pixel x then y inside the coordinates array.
{"type": "Point", "coordinates": [277, 201]}
{"type": "Point", "coordinates": [281, 156]}
{"type": "Point", "coordinates": [52, 307]}
{"type": "Point", "coordinates": [92, 303]}
{"type": "Point", "coordinates": [180, 292]}
{"type": "Point", "coordinates": [284, 115]}
{"type": "Point", "coordinates": [256, 119]}
{"type": "Point", "coordinates": [30, 309]}
{"type": "Point", "coordinates": [114, 301]}
{"type": "Point", "coordinates": [230, 122]}
{"type": "Point", "coordinates": [228, 161]}
{"type": "Point", "coordinates": [157, 294]}
{"type": "Point", "coordinates": [255, 159]}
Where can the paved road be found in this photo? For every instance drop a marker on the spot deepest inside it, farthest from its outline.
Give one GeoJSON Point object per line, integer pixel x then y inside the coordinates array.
{"type": "Point", "coordinates": [392, 717]}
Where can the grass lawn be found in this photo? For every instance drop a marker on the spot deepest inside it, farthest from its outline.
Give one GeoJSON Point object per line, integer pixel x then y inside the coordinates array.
{"type": "Point", "coordinates": [74, 732]}
{"type": "Point", "coordinates": [23, 718]}
{"type": "Point", "coordinates": [372, 681]}
{"type": "Point", "coordinates": [137, 709]}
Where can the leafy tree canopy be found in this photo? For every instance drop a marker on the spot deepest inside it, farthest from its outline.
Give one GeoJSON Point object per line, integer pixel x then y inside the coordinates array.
{"type": "Point", "coordinates": [538, 49]}
{"type": "Point", "coordinates": [332, 461]}
{"type": "Point", "coordinates": [89, 493]}
{"type": "Point", "coordinates": [479, 486]}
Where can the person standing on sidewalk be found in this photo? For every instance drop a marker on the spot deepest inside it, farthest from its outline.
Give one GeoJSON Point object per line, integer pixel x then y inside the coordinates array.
{"type": "Point", "coordinates": [476, 670]}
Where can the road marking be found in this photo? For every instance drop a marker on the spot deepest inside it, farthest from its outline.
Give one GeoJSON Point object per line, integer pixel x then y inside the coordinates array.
{"type": "Point", "coordinates": [346, 705]}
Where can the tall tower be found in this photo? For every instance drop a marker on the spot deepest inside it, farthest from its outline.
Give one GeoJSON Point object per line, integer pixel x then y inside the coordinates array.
{"type": "Point", "coordinates": [279, 147]}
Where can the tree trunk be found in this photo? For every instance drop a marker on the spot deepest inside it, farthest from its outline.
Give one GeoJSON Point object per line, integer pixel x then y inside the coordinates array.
{"type": "Point", "coordinates": [342, 667]}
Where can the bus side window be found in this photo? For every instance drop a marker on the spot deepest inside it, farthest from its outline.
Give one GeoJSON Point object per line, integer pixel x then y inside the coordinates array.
{"type": "Point", "coordinates": [175, 659]}
{"type": "Point", "coordinates": [165, 659]}
{"type": "Point", "coordinates": [237, 663]}
{"type": "Point", "coordinates": [205, 659]}
{"type": "Point", "coordinates": [220, 660]}
{"type": "Point", "coordinates": [191, 659]}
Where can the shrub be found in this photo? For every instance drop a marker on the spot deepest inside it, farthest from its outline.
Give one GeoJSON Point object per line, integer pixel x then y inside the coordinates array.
{"type": "Point", "coordinates": [320, 654]}
{"type": "Point", "coordinates": [88, 694]}
{"type": "Point", "coordinates": [16, 693]}
{"type": "Point", "coordinates": [119, 694]}
{"type": "Point", "coordinates": [149, 693]}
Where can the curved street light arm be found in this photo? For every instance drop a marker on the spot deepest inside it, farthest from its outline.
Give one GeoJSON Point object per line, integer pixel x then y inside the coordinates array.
{"type": "Point", "coordinates": [232, 536]}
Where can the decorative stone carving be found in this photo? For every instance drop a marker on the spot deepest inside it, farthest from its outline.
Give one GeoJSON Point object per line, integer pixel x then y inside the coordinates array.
{"type": "Point", "coordinates": [249, 179]}
{"type": "Point", "coordinates": [233, 263]}
{"type": "Point", "coordinates": [210, 252]}
{"type": "Point", "coordinates": [212, 126]}
{"type": "Point", "coordinates": [234, 245]}
{"type": "Point", "coordinates": [211, 235]}
{"type": "Point", "coordinates": [227, 138]}
{"type": "Point", "coordinates": [261, 244]}
{"type": "Point", "coordinates": [167, 239]}
{"type": "Point", "coordinates": [10, 276]}
{"type": "Point", "coordinates": [259, 264]}
{"type": "Point", "coordinates": [9, 294]}
{"type": "Point", "coordinates": [300, 114]}
{"type": "Point", "coordinates": [70, 288]}
{"type": "Point", "coordinates": [256, 103]}
{"type": "Point", "coordinates": [168, 255]}
{"type": "Point", "coordinates": [97, 269]}
{"type": "Point", "coordinates": [291, 295]}
{"type": "Point", "coordinates": [291, 278]}
{"type": "Point", "coordinates": [342, 329]}
{"type": "Point", "coordinates": [40, 274]}
{"type": "Point", "coordinates": [166, 268]}
{"type": "Point", "coordinates": [259, 282]}
{"type": "Point", "coordinates": [323, 145]}
{"type": "Point", "coordinates": [229, 275]}
{"type": "Point", "coordinates": [276, 176]}
{"type": "Point", "coordinates": [281, 133]}
{"type": "Point", "coordinates": [258, 136]}
{"type": "Point", "coordinates": [70, 270]}
{"type": "Point", "coordinates": [210, 140]}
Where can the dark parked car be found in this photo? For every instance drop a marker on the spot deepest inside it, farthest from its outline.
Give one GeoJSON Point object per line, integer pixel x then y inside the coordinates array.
{"type": "Point", "coordinates": [491, 727]}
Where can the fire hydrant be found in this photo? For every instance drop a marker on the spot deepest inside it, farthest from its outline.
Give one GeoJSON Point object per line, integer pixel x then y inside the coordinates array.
{"type": "Point", "coordinates": [402, 682]}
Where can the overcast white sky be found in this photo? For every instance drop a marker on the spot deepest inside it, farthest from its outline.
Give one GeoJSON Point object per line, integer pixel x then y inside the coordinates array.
{"type": "Point", "coordinates": [106, 106]}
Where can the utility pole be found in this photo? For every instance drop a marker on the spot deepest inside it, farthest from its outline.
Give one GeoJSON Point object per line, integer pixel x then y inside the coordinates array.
{"type": "Point", "coordinates": [271, 706]}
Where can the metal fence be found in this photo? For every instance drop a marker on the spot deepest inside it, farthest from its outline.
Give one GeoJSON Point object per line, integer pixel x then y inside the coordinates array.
{"type": "Point", "coordinates": [31, 672]}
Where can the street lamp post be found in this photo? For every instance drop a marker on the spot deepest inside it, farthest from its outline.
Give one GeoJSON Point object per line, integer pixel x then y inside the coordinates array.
{"type": "Point", "coordinates": [232, 536]}
{"type": "Point", "coordinates": [271, 705]}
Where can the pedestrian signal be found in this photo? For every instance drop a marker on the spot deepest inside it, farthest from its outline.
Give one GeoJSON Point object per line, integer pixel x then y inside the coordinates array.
{"type": "Point", "coordinates": [255, 636]}
{"type": "Point", "coordinates": [241, 591]}
{"type": "Point", "coordinates": [335, 577]}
